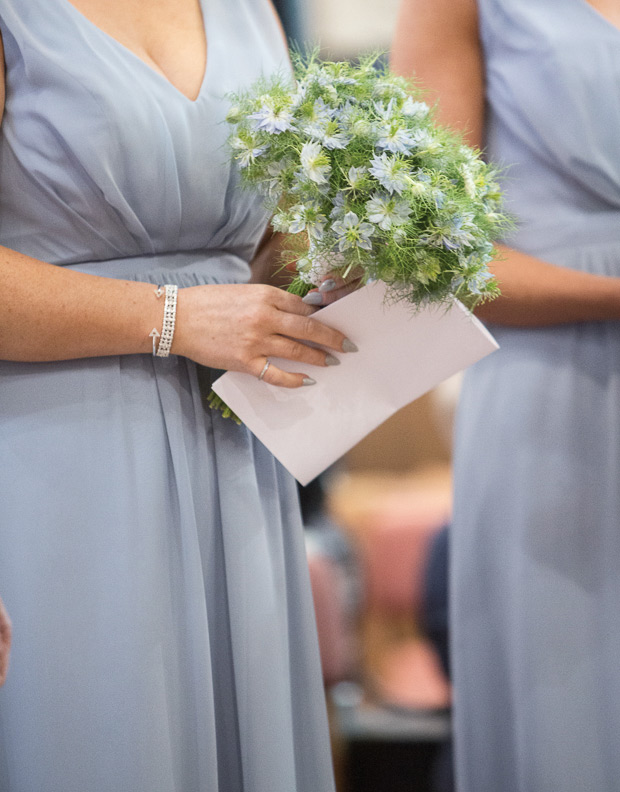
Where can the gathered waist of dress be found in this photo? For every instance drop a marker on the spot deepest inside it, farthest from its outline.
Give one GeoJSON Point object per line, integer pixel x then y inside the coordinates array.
{"type": "Point", "coordinates": [183, 268]}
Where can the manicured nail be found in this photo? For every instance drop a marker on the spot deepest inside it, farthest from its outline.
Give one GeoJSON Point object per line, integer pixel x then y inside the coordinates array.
{"type": "Point", "coordinates": [330, 360]}
{"type": "Point", "coordinates": [313, 298]}
{"type": "Point", "coordinates": [349, 346]}
{"type": "Point", "coordinates": [309, 381]}
{"type": "Point", "coordinates": [327, 285]}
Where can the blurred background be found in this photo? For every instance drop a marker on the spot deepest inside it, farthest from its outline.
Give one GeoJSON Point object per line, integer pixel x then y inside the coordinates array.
{"type": "Point", "coordinates": [377, 528]}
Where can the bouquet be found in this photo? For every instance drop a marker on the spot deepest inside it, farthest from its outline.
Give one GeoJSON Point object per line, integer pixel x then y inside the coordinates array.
{"type": "Point", "coordinates": [362, 180]}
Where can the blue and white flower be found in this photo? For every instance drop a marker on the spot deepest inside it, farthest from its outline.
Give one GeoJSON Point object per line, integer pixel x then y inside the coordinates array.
{"type": "Point", "coordinates": [391, 172]}
{"type": "Point", "coordinates": [413, 109]}
{"type": "Point", "coordinates": [314, 163]}
{"type": "Point", "coordinates": [334, 137]}
{"type": "Point", "coordinates": [315, 124]}
{"type": "Point", "coordinates": [355, 177]}
{"type": "Point", "coordinates": [386, 112]}
{"type": "Point", "coordinates": [388, 211]}
{"type": "Point", "coordinates": [424, 140]}
{"type": "Point", "coordinates": [454, 232]}
{"type": "Point", "coordinates": [246, 151]}
{"type": "Point", "coordinates": [393, 137]}
{"type": "Point", "coordinates": [308, 217]}
{"type": "Point", "coordinates": [273, 117]}
{"type": "Point", "coordinates": [351, 232]}
{"type": "Point", "coordinates": [475, 283]}
{"type": "Point", "coordinates": [388, 89]}
{"type": "Point", "coordinates": [340, 206]}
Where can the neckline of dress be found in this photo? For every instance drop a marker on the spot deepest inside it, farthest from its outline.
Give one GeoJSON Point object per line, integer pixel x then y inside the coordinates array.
{"type": "Point", "coordinates": [602, 18]}
{"type": "Point", "coordinates": [157, 74]}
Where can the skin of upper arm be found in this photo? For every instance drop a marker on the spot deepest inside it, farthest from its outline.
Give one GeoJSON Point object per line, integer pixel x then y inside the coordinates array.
{"type": "Point", "coordinates": [437, 42]}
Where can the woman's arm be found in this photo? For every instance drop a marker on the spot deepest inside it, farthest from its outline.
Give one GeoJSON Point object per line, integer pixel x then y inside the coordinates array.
{"type": "Point", "coordinates": [52, 313]}
{"type": "Point", "coordinates": [5, 643]}
{"type": "Point", "coordinates": [438, 40]}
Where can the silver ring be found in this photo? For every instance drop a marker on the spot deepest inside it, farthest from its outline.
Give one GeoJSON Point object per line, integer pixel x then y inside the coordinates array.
{"type": "Point", "coordinates": [264, 371]}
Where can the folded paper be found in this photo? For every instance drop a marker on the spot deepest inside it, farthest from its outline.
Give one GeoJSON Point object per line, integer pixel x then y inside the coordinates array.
{"type": "Point", "coordinates": [403, 353]}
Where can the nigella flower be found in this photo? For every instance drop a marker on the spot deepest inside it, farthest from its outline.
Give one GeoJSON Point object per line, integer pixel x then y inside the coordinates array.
{"type": "Point", "coordinates": [247, 151]}
{"type": "Point", "coordinates": [423, 139]}
{"type": "Point", "coordinates": [413, 109]}
{"type": "Point", "coordinates": [280, 222]}
{"type": "Point", "coordinates": [272, 118]}
{"type": "Point", "coordinates": [352, 232]}
{"type": "Point", "coordinates": [475, 283]}
{"type": "Point", "coordinates": [387, 111]}
{"type": "Point", "coordinates": [387, 211]}
{"type": "Point", "coordinates": [395, 138]}
{"type": "Point", "coordinates": [299, 96]}
{"type": "Point", "coordinates": [327, 79]}
{"type": "Point", "coordinates": [388, 89]}
{"type": "Point", "coordinates": [421, 185]}
{"type": "Point", "coordinates": [355, 177]}
{"type": "Point", "coordinates": [362, 127]}
{"type": "Point", "coordinates": [308, 217]}
{"type": "Point", "coordinates": [454, 233]}
{"type": "Point", "coordinates": [316, 122]}
{"type": "Point", "coordinates": [339, 209]}
{"type": "Point", "coordinates": [391, 172]}
{"type": "Point", "coordinates": [334, 137]}
{"type": "Point", "coordinates": [314, 163]}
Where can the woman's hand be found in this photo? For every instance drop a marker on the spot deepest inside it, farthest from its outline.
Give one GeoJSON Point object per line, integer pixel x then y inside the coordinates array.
{"type": "Point", "coordinates": [238, 327]}
{"type": "Point", "coordinates": [5, 642]}
{"type": "Point", "coordinates": [333, 288]}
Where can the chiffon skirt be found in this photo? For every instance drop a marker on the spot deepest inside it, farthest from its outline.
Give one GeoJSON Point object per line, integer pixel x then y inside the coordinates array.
{"type": "Point", "coordinates": [152, 559]}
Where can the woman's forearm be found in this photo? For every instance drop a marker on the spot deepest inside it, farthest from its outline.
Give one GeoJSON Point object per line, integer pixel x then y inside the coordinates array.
{"type": "Point", "coordinates": [52, 313]}
{"type": "Point", "coordinates": [535, 292]}
{"type": "Point", "coordinates": [438, 42]}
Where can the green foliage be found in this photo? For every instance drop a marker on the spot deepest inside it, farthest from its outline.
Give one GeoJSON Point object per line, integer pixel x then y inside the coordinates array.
{"type": "Point", "coordinates": [360, 176]}
{"type": "Point", "coordinates": [358, 173]}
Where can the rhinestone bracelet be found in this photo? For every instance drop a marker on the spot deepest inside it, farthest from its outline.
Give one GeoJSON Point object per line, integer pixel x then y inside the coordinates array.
{"type": "Point", "coordinates": [170, 311]}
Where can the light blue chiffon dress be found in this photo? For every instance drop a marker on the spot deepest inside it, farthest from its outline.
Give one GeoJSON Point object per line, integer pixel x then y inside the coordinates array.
{"type": "Point", "coordinates": [151, 552]}
{"type": "Point", "coordinates": [536, 539]}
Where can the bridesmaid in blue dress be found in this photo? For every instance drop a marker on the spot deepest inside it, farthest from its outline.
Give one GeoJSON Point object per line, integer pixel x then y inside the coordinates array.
{"type": "Point", "coordinates": [536, 538]}
{"type": "Point", "coordinates": [151, 552]}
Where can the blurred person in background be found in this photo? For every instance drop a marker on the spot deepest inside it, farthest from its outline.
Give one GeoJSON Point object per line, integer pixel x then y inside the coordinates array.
{"type": "Point", "coordinates": [535, 586]}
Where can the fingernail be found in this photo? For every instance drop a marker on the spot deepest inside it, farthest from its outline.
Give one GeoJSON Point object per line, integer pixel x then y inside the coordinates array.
{"type": "Point", "coordinates": [330, 360]}
{"type": "Point", "coordinates": [349, 346]}
{"type": "Point", "coordinates": [309, 381]}
{"type": "Point", "coordinates": [327, 285]}
{"type": "Point", "coordinates": [313, 298]}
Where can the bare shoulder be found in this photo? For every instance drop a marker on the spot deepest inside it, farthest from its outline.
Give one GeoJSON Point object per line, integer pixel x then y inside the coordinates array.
{"type": "Point", "coordinates": [438, 42]}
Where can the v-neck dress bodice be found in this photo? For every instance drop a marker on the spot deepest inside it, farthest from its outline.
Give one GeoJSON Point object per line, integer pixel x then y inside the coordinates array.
{"type": "Point", "coordinates": [80, 105]}
{"type": "Point", "coordinates": [535, 542]}
{"type": "Point", "coordinates": [151, 552]}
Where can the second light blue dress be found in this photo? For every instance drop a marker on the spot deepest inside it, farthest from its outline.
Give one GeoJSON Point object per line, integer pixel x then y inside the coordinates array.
{"type": "Point", "coordinates": [536, 540]}
{"type": "Point", "coordinates": [151, 552]}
